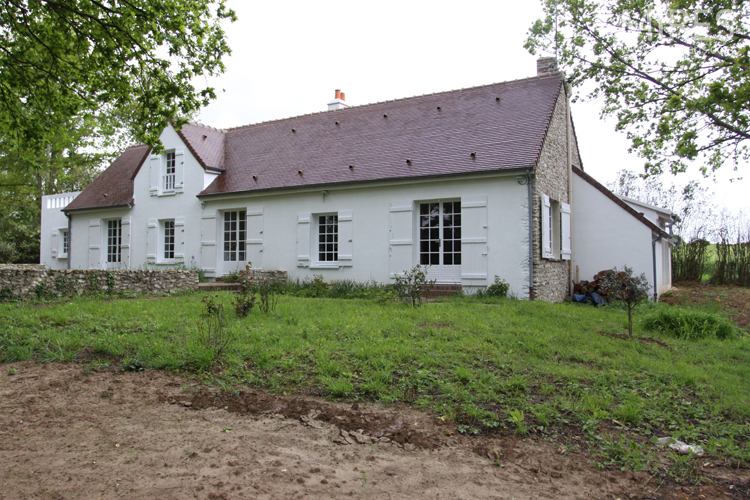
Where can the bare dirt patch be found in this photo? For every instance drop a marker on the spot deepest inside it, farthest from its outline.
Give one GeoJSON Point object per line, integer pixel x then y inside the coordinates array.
{"type": "Point", "coordinates": [734, 300]}
{"type": "Point", "coordinates": [110, 434]}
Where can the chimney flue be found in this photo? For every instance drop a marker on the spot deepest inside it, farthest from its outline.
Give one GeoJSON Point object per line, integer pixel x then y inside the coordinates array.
{"type": "Point", "coordinates": [546, 66]}
{"type": "Point", "coordinates": [338, 101]}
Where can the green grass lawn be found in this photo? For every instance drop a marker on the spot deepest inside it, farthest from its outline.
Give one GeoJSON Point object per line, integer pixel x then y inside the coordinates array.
{"type": "Point", "coordinates": [508, 366]}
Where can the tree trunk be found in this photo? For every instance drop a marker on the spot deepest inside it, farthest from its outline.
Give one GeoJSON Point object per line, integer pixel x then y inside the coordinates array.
{"type": "Point", "coordinates": [630, 321]}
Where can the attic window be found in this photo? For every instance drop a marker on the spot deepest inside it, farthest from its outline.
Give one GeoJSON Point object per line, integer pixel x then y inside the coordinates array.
{"type": "Point", "coordinates": [385, 115]}
{"type": "Point", "coordinates": [204, 137]}
{"type": "Point", "coordinates": [294, 130]}
{"type": "Point", "coordinates": [473, 154]}
{"type": "Point", "coordinates": [255, 178]}
{"type": "Point", "coordinates": [337, 123]}
{"type": "Point", "coordinates": [351, 167]}
{"type": "Point", "coordinates": [299, 172]}
{"type": "Point", "coordinates": [439, 108]}
{"type": "Point", "coordinates": [497, 99]}
{"type": "Point", "coordinates": [408, 161]}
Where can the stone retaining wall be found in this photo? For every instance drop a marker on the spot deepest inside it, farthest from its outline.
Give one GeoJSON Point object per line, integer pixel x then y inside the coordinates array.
{"type": "Point", "coordinates": [29, 282]}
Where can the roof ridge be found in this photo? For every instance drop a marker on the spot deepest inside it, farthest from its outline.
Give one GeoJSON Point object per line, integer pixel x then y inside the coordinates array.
{"type": "Point", "coordinates": [202, 125]}
{"type": "Point", "coordinates": [398, 99]}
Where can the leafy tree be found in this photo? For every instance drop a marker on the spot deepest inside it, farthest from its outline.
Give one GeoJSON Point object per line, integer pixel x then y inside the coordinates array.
{"type": "Point", "coordinates": [624, 287]}
{"type": "Point", "coordinates": [62, 60]}
{"type": "Point", "coordinates": [66, 161]}
{"type": "Point", "coordinates": [691, 202]}
{"type": "Point", "coordinates": [674, 73]}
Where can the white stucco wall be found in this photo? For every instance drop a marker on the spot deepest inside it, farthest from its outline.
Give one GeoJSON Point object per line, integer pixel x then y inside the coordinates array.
{"type": "Point", "coordinates": [182, 204]}
{"type": "Point", "coordinates": [370, 205]}
{"type": "Point", "coordinates": [506, 225]}
{"type": "Point", "coordinates": [605, 235]}
{"type": "Point", "coordinates": [53, 222]}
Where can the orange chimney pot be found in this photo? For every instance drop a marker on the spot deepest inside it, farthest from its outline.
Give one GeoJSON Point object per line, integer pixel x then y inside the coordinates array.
{"type": "Point", "coordinates": [338, 94]}
{"type": "Point", "coordinates": [342, 97]}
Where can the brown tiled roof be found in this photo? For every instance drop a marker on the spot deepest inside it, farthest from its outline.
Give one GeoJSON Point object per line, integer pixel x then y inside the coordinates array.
{"type": "Point", "coordinates": [612, 196]}
{"type": "Point", "coordinates": [504, 124]}
{"type": "Point", "coordinates": [114, 186]}
{"type": "Point", "coordinates": [436, 132]}
{"type": "Point", "coordinates": [206, 144]}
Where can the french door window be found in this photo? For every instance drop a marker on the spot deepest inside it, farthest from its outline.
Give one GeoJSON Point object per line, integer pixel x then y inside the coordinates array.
{"type": "Point", "coordinates": [235, 234]}
{"type": "Point", "coordinates": [169, 177]}
{"type": "Point", "coordinates": [114, 240]}
{"type": "Point", "coordinates": [169, 239]}
{"type": "Point", "coordinates": [328, 238]}
{"type": "Point", "coordinates": [440, 233]}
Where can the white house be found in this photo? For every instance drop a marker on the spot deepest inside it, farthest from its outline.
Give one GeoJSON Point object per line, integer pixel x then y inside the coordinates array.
{"type": "Point", "coordinates": [475, 182]}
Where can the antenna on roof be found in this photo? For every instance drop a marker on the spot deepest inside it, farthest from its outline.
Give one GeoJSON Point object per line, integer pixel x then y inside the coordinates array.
{"type": "Point", "coordinates": [556, 42]}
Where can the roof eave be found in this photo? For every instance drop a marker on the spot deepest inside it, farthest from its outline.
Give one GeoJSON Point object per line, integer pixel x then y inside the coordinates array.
{"type": "Point", "coordinates": [364, 182]}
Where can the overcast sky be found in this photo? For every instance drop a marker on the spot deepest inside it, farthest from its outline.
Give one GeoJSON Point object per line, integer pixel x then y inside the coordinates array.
{"type": "Point", "coordinates": [289, 57]}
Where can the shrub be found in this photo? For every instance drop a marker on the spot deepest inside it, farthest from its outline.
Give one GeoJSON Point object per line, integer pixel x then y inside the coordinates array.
{"type": "Point", "coordinates": [623, 286]}
{"type": "Point", "coordinates": [267, 294]}
{"type": "Point", "coordinates": [211, 330]}
{"type": "Point", "coordinates": [7, 252]}
{"type": "Point", "coordinates": [411, 284]}
{"type": "Point", "coordinates": [232, 277]}
{"type": "Point", "coordinates": [497, 289]}
{"type": "Point", "coordinates": [245, 299]}
{"type": "Point", "coordinates": [689, 324]}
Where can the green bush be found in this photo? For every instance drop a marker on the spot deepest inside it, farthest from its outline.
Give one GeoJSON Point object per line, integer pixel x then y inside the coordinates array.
{"type": "Point", "coordinates": [498, 289]}
{"type": "Point", "coordinates": [7, 252]}
{"type": "Point", "coordinates": [689, 324]}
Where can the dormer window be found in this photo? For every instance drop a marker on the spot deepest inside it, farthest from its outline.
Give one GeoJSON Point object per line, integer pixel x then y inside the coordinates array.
{"type": "Point", "coordinates": [167, 173]}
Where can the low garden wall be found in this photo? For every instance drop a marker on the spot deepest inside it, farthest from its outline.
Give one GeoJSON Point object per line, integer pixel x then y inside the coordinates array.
{"type": "Point", "coordinates": [27, 282]}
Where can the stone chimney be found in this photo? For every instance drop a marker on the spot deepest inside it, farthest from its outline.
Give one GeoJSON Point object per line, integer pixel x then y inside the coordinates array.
{"type": "Point", "coordinates": [338, 101]}
{"type": "Point", "coordinates": [546, 66]}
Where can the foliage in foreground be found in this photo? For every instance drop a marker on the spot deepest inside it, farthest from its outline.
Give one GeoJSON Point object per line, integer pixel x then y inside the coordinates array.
{"type": "Point", "coordinates": [689, 324]}
{"type": "Point", "coordinates": [675, 73]}
{"type": "Point", "coordinates": [513, 366]}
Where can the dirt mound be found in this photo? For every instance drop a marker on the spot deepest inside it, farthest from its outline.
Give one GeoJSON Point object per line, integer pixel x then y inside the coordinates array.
{"type": "Point", "coordinates": [361, 424]}
{"type": "Point", "coordinates": [67, 431]}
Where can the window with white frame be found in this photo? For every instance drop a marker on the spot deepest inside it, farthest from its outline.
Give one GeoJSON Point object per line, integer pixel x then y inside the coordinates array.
{"type": "Point", "coordinates": [64, 243]}
{"type": "Point", "coordinates": [170, 172]}
{"type": "Point", "coordinates": [235, 236]}
{"type": "Point", "coordinates": [168, 240]}
{"type": "Point", "coordinates": [555, 229]}
{"type": "Point", "coordinates": [328, 238]}
{"type": "Point", "coordinates": [114, 240]}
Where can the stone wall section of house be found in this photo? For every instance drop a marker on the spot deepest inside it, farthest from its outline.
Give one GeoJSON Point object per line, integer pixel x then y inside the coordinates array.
{"type": "Point", "coordinates": [29, 282]}
{"type": "Point", "coordinates": [551, 276]}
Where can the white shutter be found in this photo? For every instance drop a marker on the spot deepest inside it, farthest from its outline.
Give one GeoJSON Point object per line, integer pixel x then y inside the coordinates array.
{"type": "Point", "coordinates": [346, 237]}
{"type": "Point", "coordinates": [402, 237]}
{"type": "Point", "coordinates": [474, 241]}
{"type": "Point", "coordinates": [208, 243]}
{"type": "Point", "coordinates": [152, 235]}
{"type": "Point", "coordinates": [254, 238]}
{"type": "Point", "coordinates": [155, 174]}
{"type": "Point", "coordinates": [303, 240]}
{"type": "Point", "coordinates": [565, 226]}
{"type": "Point", "coordinates": [179, 169]}
{"type": "Point", "coordinates": [546, 241]}
{"type": "Point", "coordinates": [179, 238]}
{"type": "Point", "coordinates": [54, 243]}
{"type": "Point", "coordinates": [125, 242]}
{"type": "Point", "coordinates": [95, 241]}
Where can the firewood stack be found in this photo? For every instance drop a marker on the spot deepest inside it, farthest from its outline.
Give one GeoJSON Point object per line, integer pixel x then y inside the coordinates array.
{"type": "Point", "coordinates": [597, 285]}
